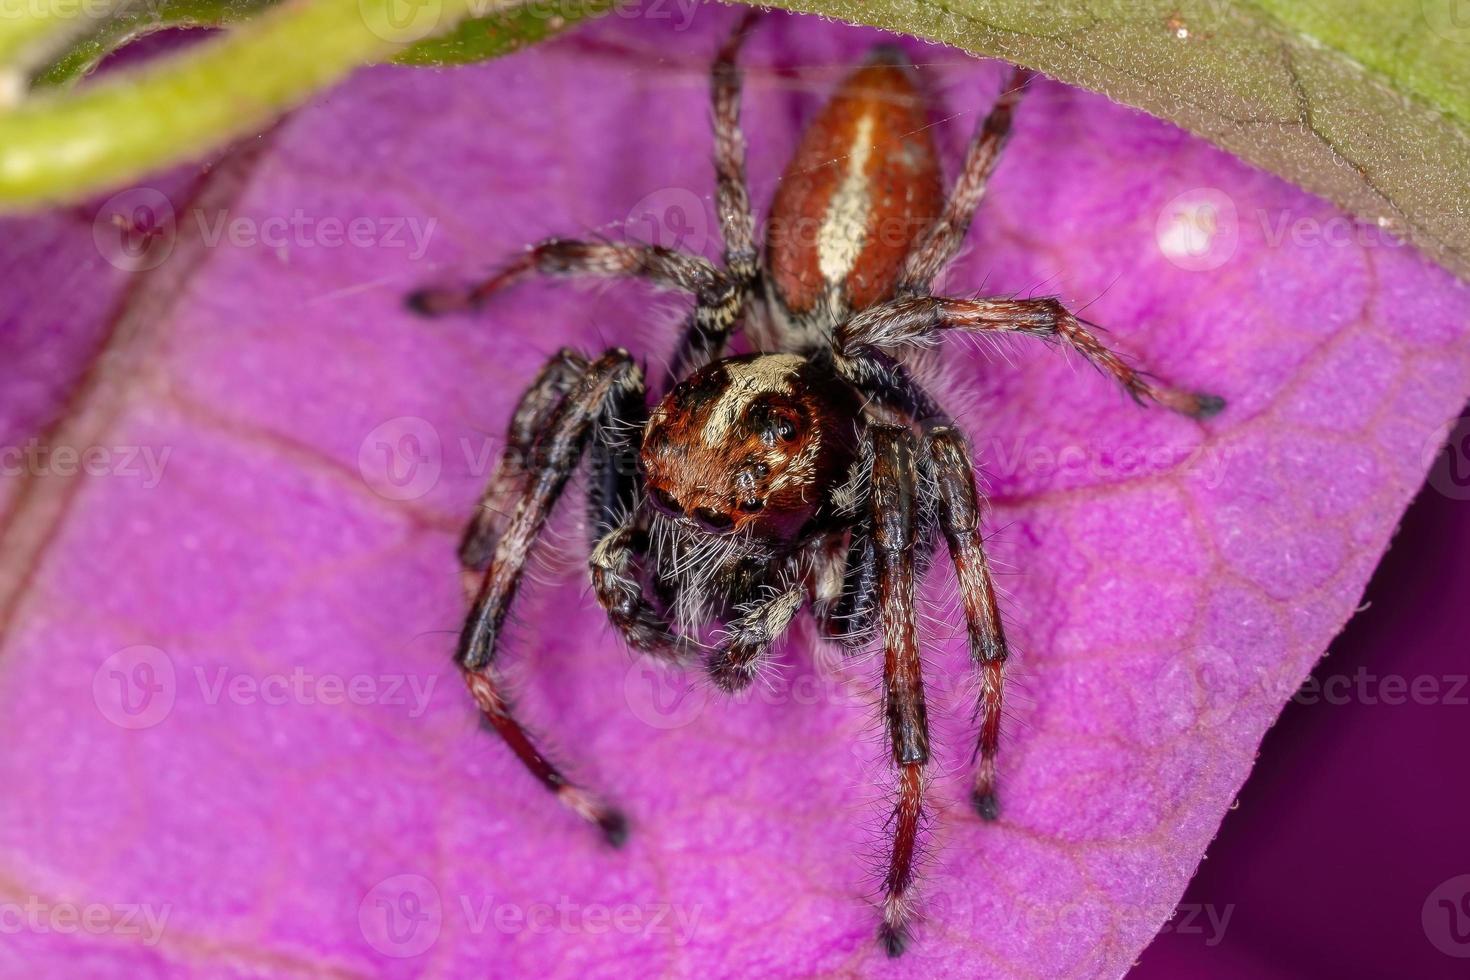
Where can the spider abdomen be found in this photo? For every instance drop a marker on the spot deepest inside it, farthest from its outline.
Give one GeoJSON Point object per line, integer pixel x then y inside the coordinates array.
{"type": "Point", "coordinates": [863, 185]}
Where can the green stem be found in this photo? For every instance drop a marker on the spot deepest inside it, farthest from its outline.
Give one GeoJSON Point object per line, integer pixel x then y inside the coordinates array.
{"type": "Point", "coordinates": [30, 27]}
{"type": "Point", "coordinates": [63, 144]}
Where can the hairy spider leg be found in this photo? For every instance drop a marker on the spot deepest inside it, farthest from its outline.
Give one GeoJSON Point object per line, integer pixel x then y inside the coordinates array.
{"type": "Point", "coordinates": [912, 320]}
{"type": "Point", "coordinates": [715, 318]}
{"type": "Point", "coordinates": [721, 296]}
{"type": "Point", "coordinates": [959, 520]}
{"type": "Point", "coordinates": [618, 586]}
{"type": "Point", "coordinates": [893, 507]}
{"type": "Point", "coordinates": [732, 192]}
{"type": "Point", "coordinates": [944, 238]}
{"type": "Point", "coordinates": [837, 585]}
{"type": "Point", "coordinates": [566, 257]}
{"type": "Point", "coordinates": [530, 417]}
{"type": "Point", "coordinates": [558, 450]}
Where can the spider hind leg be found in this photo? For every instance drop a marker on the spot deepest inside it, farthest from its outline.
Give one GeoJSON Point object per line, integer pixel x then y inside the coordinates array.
{"type": "Point", "coordinates": [913, 320]}
{"type": "Point", "coordinates": [959, 519]}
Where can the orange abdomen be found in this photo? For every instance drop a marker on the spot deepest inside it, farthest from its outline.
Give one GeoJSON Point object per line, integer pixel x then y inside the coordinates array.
{"type": "Point", "coordinates": [863, 186]}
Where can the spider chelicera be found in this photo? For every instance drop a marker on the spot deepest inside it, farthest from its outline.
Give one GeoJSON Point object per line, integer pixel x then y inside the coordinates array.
{"type": "Point", "coordinates": [816, 471]}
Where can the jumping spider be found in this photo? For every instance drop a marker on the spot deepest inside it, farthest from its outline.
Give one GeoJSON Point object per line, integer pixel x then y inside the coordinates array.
{"type": "Point", "coordinates": [815, 470]}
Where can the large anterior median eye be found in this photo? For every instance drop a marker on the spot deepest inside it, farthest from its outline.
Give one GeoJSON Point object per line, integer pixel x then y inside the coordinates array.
{"type": "Point", "coordinates": [713, 520]}
{"type": "Point", "coordinates": [666, 502]}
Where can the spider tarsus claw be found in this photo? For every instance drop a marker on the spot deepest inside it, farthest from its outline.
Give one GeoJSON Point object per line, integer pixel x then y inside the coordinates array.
{"type": "Point", "coordinates": [986, 804]}
{"type": "Point", "coordinates": [888, 53]}
{"type": "Point", "coordinates": [435, 302]}
{"type": "Point", "coordinates": [892, 939]}
{"type": "Point", "coordinates": [1207, 406]}
{"type": "Point", "coordinates": [728, 676]}
{"type": "Point", "coordinates": [614, 827]}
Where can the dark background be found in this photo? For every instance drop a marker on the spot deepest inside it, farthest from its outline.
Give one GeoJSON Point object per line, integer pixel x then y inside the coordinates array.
{"type": "Point", "coordinates": [1355, 811]}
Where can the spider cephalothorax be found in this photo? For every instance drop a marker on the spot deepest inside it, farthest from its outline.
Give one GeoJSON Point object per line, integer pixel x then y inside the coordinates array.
{"type": "Point", "coordinates": [753, 445]}
{"type": "Point", "coordinates": [816, 471]}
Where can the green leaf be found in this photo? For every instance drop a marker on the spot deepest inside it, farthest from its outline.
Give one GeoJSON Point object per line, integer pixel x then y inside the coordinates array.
{"type": "Point", "coordinates": [62, 144]}
{"type": "Point", "coordinates": [85, 53]}
{"type": "Point", "coordinates": [492, 36]}
{"type": "Point", "coordinates": [1366, 102]}
{"type": "Point", "coordinates": [475, 39]}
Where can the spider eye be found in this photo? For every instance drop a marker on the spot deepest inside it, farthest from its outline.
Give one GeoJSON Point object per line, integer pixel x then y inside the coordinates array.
{"type": "Point", "coordinates": [713, 520]}
{"type": "Point", "coordinates": [747, 478]}
{"type": "Point", "coordinates": [752, 506]}
{"type": "Point", "coordinates": [666, 502]}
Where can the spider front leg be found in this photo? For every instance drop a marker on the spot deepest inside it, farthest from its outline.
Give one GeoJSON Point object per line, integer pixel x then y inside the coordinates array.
{"type": "Point", "coordinates": [732, 195]}
{"type": "Point", "coordinates": [714, 318]}
{"type": "Point", "coordinates": [559, 449]}
{"type": "Point", "coordinates": [664, 267]}
{"type": "Point", "coordinates": [959, 520]}
{"type": "Point", "coordinates": [532, 413]}
{"type": "Point", "coordinates": [895, 539]}
{"type": "Point", "coordinates": [911, 320]}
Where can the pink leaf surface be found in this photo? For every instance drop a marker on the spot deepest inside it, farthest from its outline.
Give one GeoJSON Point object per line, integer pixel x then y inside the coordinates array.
{"type": "Point", "coordinates": [237, 742]}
